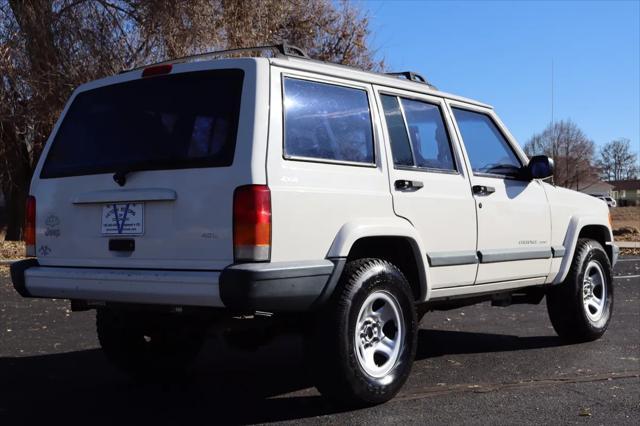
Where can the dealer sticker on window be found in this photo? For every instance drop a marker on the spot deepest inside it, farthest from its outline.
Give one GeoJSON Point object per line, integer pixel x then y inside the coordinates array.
{"type": "Point", "coordinates": [123, 219]}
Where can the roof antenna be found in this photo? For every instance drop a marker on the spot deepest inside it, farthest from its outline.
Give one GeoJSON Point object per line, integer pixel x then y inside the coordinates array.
{"type": "Point", "coordinates": [551, 91]}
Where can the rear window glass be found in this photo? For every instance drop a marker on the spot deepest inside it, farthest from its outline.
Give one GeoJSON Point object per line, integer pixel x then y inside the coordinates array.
{"type": "Point", "coordinates": [167, 122]}
{"type": "Point", "coordinates": [326, 121]}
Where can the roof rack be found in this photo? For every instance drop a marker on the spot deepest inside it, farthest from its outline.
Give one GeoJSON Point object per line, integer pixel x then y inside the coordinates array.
{"type": "Point", "coordinates": [284, 48]}
{"type": "Point", "coordinates": [411, 76]}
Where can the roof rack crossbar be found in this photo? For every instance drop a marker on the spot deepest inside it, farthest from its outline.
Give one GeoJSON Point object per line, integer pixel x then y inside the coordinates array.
{"type": "Point", "coordinates": [411, 76]}
{"type": "Point", "coordinates": [284, 48]}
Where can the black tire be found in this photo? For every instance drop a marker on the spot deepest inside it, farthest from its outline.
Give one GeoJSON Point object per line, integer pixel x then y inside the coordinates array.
{"type": "Point", "coordinates": [572, 320]}
{"type": "Point", "coordinates": [331, 349]}
{"type": "Point", "coordinates": [149, 346]}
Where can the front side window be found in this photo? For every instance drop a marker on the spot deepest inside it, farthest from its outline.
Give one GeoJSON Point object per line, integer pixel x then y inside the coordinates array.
{"type": "Point", "coordinates": [417, 134]}
{"type": "Point", "coordinates": [488, 150]}
{"type": "Point", "coordinates": [325, 121]}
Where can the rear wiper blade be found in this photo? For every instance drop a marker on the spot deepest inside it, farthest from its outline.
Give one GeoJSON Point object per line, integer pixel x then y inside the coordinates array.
{"type": "Point", "coordinates": [120, 177]}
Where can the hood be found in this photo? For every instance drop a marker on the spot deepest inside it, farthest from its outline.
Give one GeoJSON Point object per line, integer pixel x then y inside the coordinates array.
{"type": "Point", "coordinates": [576, 201]}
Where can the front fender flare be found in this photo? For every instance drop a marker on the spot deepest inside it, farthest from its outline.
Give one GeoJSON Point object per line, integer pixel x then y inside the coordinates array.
{"type": "Point", "coordinates": [576, 225]}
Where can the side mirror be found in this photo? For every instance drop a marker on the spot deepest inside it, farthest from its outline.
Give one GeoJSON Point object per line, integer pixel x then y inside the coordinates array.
{"type": "Point", "coordinates": [540, 167]}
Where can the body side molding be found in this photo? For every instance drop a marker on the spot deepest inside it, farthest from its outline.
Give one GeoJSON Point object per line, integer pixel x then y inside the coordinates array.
{"type": "Point", "coordinates": [452, 258]}
{"type": "Point", "coordinates": [558, 251]}
{"type": "Point", "coordinates": [508, 255]}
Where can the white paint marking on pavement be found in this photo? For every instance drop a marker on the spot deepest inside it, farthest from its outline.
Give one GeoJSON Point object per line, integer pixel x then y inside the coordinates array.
{"type": "Point", "coordinates": [625, 276]}
{"type": "Point", "coordinates": [628, 260]}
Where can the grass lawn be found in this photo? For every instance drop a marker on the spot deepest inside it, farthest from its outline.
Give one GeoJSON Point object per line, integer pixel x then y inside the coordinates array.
{"type": "Point", "coordinates": [626, 217]}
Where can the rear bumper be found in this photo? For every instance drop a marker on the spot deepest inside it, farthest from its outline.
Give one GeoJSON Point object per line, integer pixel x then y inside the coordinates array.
{"type": "Point", "coordinates": [189, 288]}
{"type": "Point", "coordinates": [279, 286]}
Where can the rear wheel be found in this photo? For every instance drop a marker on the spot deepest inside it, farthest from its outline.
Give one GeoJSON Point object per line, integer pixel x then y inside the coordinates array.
{"type": "Point", "coordinates": [363, 342]}
{"type": "Point", "coordinates": [580, 308]}
{"type": "Point", "coordinates": [149, 345]}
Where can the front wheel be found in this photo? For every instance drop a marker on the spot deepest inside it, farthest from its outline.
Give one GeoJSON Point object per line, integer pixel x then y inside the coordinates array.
{"type": "Point", "coordinates": [363, 342]}
{"type": "Point", "coordinates": [580, 308]}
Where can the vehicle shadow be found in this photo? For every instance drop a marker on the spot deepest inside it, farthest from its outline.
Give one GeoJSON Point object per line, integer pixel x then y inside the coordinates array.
{"type": "Point", "coordinates": [228, 386]}
{"type": "Point", "coordinates": [434, 343]}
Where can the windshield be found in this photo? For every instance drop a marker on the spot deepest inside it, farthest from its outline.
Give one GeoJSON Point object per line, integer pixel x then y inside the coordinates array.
{"type": "Point", "coordinates": [167, 122]}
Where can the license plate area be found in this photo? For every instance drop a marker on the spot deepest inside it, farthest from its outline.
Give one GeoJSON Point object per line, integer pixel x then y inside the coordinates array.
{"type": "Point", "coordinates": [122, 219]}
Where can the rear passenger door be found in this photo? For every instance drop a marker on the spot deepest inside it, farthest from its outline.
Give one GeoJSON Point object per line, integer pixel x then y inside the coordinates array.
{"type": "Point", "coordinates": [514, 223]}
{"type": "Point", "coordinates": [429, 185]}
{"type": "Point", "coordinates": [324, 167]}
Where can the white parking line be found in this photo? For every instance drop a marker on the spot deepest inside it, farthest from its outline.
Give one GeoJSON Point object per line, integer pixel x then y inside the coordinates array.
{"type": "Point", "coordinates": [629, 260]}
{"type": "Point", "coordinates": [625, 276]}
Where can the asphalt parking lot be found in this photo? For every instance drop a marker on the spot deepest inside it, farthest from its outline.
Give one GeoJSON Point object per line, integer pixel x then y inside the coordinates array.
{"type": "Point", "coordinates": [475, 365]}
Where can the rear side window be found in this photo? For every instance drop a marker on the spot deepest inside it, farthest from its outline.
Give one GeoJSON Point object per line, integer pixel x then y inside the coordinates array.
{"type": "Point", "coordinates": [166, 122]}
{"type": "Point", "coordinates": [400, 145]}
{"type": "Point", "coordinates": [327, 122]}
{"type": "Point", "coordinates": [487, 149]}
{"type": "Point", "coordinates": [418, 134]}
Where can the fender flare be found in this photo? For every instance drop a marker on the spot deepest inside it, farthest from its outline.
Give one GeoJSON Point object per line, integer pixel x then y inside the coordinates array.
{"type": "Point", "coordinates": [355, 230]}
{"type": "Point", "coordinates": [576, 225]}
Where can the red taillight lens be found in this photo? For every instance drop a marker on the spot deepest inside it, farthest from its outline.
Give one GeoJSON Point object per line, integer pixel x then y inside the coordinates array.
{"type": "Point", "coordinates": [157, 70]}
{"type": "Point", "coordinates": [30, 226]}
{"type": "Point", "coordinates": [252, 223]}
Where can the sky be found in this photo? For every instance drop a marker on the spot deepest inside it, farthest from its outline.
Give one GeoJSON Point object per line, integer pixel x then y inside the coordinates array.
{"type": "Point", "coordinates": [501, 53]}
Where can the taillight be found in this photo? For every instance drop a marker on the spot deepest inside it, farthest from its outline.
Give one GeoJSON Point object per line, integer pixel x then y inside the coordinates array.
{"type": "Point", "coordinates": [252, 223]}
{"type": "Point", "coordinates": [157, 70]}
{"type": "Point", "coordinates": [30, 226]}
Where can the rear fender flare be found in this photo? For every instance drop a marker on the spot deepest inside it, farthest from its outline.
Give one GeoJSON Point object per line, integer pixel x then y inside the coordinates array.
{"type": "Point", "coordinates": [355, 230]}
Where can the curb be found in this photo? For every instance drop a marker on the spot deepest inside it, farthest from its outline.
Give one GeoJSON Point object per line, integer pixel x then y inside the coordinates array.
{"type": "Point", "coordinates": [628, 244]}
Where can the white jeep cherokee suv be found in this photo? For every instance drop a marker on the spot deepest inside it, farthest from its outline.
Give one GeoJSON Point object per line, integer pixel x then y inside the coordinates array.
{"type": "Point", "coordinates": [193, 190]}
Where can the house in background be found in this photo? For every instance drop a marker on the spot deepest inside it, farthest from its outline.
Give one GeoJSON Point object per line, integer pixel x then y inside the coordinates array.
{"type": "Point", "coordinates": [626, 192]}
{"type": "Point", "coordinates": [597, 188]}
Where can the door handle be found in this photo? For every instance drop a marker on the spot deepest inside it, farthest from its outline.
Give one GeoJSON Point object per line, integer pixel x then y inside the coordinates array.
{"type": "Point", "coordinates": [408, 185]}
{"type": "Point", "coordinates": [483, 190]}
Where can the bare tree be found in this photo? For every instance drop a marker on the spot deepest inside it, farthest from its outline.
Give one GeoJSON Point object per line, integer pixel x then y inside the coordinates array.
{"type": "Point", "coordinates": [328, 31]}
{"type": "Point", "coordinates": [571, 150]}
{"type": "Point", "coordinates": [48, 47]}
{"type": "Point", "coordinates": [617, 161]}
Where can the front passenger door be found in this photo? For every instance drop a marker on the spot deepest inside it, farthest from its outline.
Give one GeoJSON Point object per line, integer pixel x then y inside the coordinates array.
{"type": "Point", "coordinates": [514, 223]}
